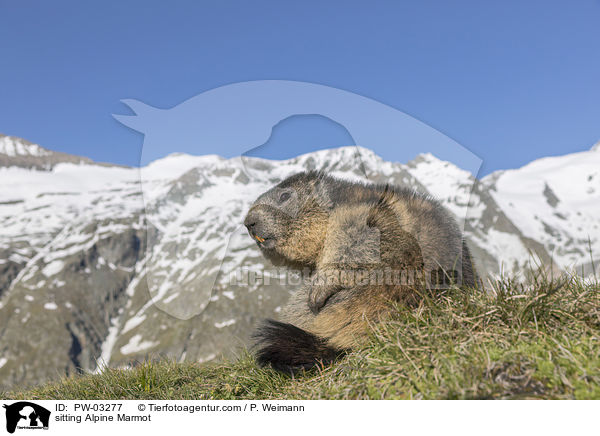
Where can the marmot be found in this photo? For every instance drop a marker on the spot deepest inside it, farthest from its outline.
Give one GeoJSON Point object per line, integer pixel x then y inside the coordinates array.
{"type": "Point", "coordinates": [364, 245]}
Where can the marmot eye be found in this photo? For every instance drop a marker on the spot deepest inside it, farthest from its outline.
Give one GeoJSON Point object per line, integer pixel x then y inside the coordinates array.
{"type": "Point", "coordinates": [284, 197]}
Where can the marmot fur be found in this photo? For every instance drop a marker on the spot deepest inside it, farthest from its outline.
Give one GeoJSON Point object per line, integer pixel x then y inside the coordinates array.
{"type": "Point", "coordinates": [364, 245]}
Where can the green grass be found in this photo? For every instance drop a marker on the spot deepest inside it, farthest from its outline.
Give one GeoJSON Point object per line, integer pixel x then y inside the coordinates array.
{"type": "Point", "coordinates": [516, 342]}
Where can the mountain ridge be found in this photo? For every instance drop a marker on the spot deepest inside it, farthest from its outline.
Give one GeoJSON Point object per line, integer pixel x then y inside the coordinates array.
{"type": "Point", "coordinates": [109, 264]}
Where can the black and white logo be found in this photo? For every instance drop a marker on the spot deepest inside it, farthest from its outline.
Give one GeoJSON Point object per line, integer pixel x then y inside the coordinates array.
{"type": "Point", "coordinates": [26, 415]}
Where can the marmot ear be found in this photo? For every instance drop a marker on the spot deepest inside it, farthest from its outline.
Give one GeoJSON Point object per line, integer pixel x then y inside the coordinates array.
{"type": "Point", "coordinates": [322, 193]}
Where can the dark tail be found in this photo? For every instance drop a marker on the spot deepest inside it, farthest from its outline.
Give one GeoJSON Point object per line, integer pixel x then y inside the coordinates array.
{"type": "Point", "coordinates": [290, 349]}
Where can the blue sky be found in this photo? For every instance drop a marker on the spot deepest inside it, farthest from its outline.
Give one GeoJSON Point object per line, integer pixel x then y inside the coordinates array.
{"type": "Point", "coordinates": [511, 81]}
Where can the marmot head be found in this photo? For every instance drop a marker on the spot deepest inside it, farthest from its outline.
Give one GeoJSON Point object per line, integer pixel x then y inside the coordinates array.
{"type": "Point", "coordinates": [289, 221]}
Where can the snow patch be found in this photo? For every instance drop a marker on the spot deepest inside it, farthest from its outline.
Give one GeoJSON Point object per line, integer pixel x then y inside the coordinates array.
{"type": "Point", "coordinates": [53, 268]}
{"type": "Point", "coordinates": [229, 294]}
{"type": "Point", "coordinates": [207, 358]}
{"type": "Point", "coordinates": [109, 343]}
{"type": "Point", "coordinates": [227, 323]}
{"type": "Point", "coordinates": [13, 147]}
{"type": "Point", "coordinates": [133, 322]}
{"type": "Point", "coordinates": [136, 345]}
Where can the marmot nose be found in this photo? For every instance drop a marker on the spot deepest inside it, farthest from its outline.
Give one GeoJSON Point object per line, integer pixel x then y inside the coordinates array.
{"type": "Point", "coordinates": [250, 221]}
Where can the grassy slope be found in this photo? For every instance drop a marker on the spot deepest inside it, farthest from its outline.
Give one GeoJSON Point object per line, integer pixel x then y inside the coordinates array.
{"type": "Point", "coordinates": [537, 343]}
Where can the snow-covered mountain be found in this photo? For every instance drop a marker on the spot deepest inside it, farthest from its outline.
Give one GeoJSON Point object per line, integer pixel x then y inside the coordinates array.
{"type": "Point", "coordinates": [20, 153]}
{"type": "Point", "coordinates": [555, 201]}
{"type": "Point", "coordinates": [106, 264]}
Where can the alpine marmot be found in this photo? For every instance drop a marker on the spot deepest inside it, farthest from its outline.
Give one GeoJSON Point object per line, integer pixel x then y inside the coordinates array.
{"type": "Point", "coordinates": [364, 246]}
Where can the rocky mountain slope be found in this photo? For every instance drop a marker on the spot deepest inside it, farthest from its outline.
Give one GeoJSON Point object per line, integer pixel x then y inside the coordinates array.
{"type": "Point", "coordinates": [102, 264]}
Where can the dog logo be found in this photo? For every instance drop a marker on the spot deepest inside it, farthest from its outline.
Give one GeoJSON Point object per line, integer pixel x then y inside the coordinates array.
{"type": "Point", "coordinates": [26, 415]}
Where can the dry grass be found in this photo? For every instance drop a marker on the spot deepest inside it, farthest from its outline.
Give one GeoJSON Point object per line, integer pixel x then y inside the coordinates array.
{"type": "Point", "coordinates": [542, 341]}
